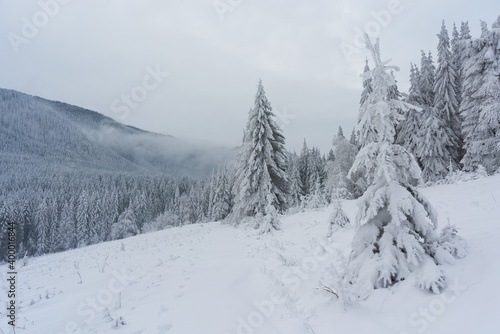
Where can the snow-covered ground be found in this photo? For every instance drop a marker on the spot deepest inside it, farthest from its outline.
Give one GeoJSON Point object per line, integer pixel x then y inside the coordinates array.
{"type": "Point", "coordinates": [214, 278]}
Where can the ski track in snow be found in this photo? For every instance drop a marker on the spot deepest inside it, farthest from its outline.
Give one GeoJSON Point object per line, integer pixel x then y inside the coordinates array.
{"type": "Point", "coordinates": [214, 278]}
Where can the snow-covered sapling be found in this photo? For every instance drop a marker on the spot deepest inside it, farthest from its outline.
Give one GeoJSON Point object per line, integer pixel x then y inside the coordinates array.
{"type": "Point", "coordinates": [338, 218]}
{"type": "Point", "coordinates": [396, 226]}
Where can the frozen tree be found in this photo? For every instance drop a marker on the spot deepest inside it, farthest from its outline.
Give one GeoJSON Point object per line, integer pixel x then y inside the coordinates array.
{"type": "Point", "coordinates": [409, 128]}
{"type": "Point", "coordinates": [396, 226]}
{"type": "Point", "coordinates": [303, 165]}
{"type": "Point", "coordinates": [83, 220]}
{"type": "Point", "coordinates": [262, 162]}
{"type": "Point", "coordinates": [434, 146]}
{"type": "Point", "coordinates": [43, 226]}
{"type": "Point", "coordinates": [480, 101]}
{"type": "Point", "coordinates": [337, 183]}
{"type": "Point", "coordinates": [269, 221]}
{"type": "Point", "coordinates": [367, 85]}
{"type": "Point", "coordinates": [125, 227]}
{"type": "Point", "coordinates": [393, 91]}
{"type": "Point", "coordinates": [427, 79]}
{"type": "Point", "coordinates": [221, 201]}
{"type": "Point", "coordinates": [445, 96]}
{"type": "Point", "coordinates": [338, 218]}
{"type": "Point", "coordinates": [456, 61]}
{"type": "Point", "coordinates": [295, 182]}
{"type": "Point", "coordinates": [354, 138]}
{"type": "Point", "coordinates": [316, 199]}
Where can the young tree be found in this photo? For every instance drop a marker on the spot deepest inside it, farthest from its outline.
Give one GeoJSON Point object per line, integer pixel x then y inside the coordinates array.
{"type": "Point", "coordinates": [262, 163]}
{"type": "Point", "coordinates": [338, 219]}
{"type": "Point", "coordinates": [396, 225]}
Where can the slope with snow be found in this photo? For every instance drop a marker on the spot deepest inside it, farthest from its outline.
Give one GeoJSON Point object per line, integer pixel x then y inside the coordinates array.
{"type": "Point", "coordinates": [214, 278]}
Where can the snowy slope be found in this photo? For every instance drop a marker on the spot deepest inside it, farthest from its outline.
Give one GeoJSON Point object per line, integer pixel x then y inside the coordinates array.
{"type": "Point", "coordinates": [213, 278]}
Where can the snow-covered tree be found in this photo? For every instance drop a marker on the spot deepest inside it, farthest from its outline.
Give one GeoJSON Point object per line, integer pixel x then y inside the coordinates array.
{"type": "Point", "coordinates": [337, 183]}
{"type": "Point", "coordinates": [354, 138]}
{"type": "Point", "coordinates": [316, 199]}
{"type": "Point", "coordinates": [338, 219]}
{"type": "Point", "coordinates": [409, 128]}
{"type": "Point", "coordinates": [456, 61]}
{"type": "Point", "coordinates": [126, 226]}
{"type": "Point", "coordinates": [367, 85]}
{"type": "Point", "coordinates": [434, 147]}
{"type": "Point", "coordinates": [445, 96]}
{"type": "Point", "coordinates": [295, 182]}
{"type": "Point", "coordinates": [261, 166]}
{"type": "Point", "coordinates": [480, 101]}
{"type": "Point", "coordinates": [303, 165]}
{"type": "Point", "coordinates": [221, 201]}
{"type": "Point", "coordinates": [42, 222]}
{"type": "Point", "coordinates": [269, 221]}
{"type": "Point", "coordinates": [396, 226]}
{"type": "Point", "coordinates": [427, 79]}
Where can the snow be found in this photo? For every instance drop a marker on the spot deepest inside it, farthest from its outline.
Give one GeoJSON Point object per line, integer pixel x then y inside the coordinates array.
{"type": "Point", "coordinates": [215, 278]}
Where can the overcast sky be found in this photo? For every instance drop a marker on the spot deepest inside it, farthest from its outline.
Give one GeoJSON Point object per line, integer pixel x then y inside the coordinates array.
{"type": "Point", "coordinates": [93, 53]}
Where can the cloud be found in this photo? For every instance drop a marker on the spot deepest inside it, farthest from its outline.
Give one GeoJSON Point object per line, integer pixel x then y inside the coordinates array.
{"type": "Point", "coordinates": [92, 51]}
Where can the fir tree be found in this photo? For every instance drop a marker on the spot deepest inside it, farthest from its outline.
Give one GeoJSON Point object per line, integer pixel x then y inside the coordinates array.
{"type": "Point", "coordinates": [338, 219]}
{"type": "Point", "coordinates": [262, 162]}
{"type": "Point", "coordinates": [367, 85]}
{"type": "Point", "coordinates": [434, 147]}
{"type": "Point", "coordinates": [337, 184]}
{"type": "Point", "coordinates": [408, 134]}
{"type": "Point", "coordinates": [354, 139]}
{"type": "Point", "coordinates": [427, 79]}
{"type": "Point", "coordinates": [396, 225]}
{"type": "Point", "coordinates": [303, 166]}
{"type": "Point", "coordinates": [480, 100]}
{"type": "Point", "coordinates": [295, 182]}
{"type": "Point", "coordinates": [445, 99]}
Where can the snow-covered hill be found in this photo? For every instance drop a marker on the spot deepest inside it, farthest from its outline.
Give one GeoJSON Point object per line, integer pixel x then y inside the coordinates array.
{"type": "Point", "coordinates": [39, 136]}
{"type": "Point", "coordinates": [214, 278]}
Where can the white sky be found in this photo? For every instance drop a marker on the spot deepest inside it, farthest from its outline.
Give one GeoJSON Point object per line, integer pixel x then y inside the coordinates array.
{"type": "Point", "coordinates": [92, 52]}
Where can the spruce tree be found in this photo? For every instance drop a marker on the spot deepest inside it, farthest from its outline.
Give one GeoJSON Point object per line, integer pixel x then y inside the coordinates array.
{"type": "Point", "coordinates": [445, 99]}
{"type": "Point", "coordinates": [408, 134]}
{"type": "Point", "coordinates": [261, 163]}
{"type": "Point", "coordinates": [456, 60]}
{"type": "Point", "coordinates": [395, 225]}
{"type": "Point", "coordinates": [303, 165]}
{"type": "Point", "coordinates": [367, 85]}
{"type": "Point", "coordinates": [295, 182]}
{"type": "Point", "coordinates": [480, 101]}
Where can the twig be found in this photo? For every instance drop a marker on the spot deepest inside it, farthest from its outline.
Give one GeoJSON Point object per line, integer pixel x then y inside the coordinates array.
{"type": "Point", "coordinates": [327, 289]}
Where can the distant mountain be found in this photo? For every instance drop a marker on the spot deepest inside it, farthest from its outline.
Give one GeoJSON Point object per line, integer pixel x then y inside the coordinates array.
{"type": "Point", "coordinates": [38, 135]}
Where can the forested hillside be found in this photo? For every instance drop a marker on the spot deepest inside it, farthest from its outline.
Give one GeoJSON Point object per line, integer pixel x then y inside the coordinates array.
{"type": "Point", "coordinates": [38, 134]}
